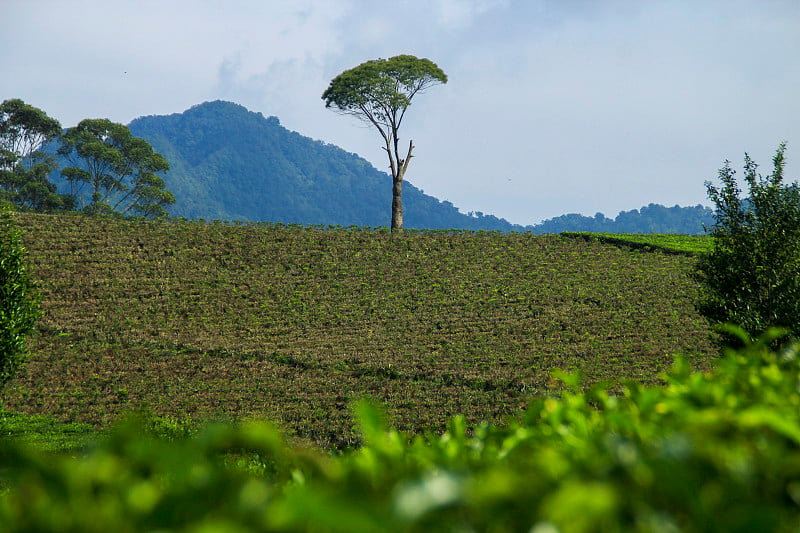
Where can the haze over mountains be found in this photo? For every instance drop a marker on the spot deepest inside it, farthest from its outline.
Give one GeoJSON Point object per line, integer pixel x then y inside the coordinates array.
{"type": "Point", "coordinates": [229, 163]}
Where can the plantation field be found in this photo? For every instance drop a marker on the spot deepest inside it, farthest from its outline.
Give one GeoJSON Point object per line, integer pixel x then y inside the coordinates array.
{"type": "Point", "coordinates": [198, 321]}
{"type": "Point", "coordinates": [687, 244]}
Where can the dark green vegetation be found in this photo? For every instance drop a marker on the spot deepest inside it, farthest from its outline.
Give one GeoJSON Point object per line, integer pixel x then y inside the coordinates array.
{"type": "Point", "coordinates": [107, 170]}
{"type": "Point", "coordinates": [114, 172]}
{"type": "Point", "coordinates": [707, 452]}
{"type": "Point", "coordinates": [19, 299]}
{"type": "Point", "coordinates": [211, 321]}
{"type": "Point", "coordinates": [652, 218]}
{"type": "Point", "coordinates": [379, 93]}
{"type": "Point", "coordinates": [752, 276]}
{"type": "Point", "coordinates": [24, 169]}
{"type": "Point", "coordinates": [672, 243]}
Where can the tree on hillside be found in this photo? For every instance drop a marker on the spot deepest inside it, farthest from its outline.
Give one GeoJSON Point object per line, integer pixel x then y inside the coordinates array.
{"type": "Point", "coordinates": [119, 170]}
{"type": "Point", "coordinates": [752, 277]}
{"type": "Point", "coordinates": [24, 169]}
{"type": "Point", "coordinates": [379, 92]}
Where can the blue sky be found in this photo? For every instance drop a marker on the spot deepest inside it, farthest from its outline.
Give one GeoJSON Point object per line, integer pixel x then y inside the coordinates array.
{"type": "Point", "coordinates": [552, 106]}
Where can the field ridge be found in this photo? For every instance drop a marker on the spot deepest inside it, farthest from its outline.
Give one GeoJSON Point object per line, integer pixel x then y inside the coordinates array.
{"type": "Point", "coordinates": [198, 321]}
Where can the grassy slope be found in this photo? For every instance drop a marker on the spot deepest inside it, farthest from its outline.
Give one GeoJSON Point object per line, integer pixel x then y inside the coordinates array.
{"type": "Point", "coordinates": [670, 243]}
{"type": "Point", "coordinates": [210, 321]}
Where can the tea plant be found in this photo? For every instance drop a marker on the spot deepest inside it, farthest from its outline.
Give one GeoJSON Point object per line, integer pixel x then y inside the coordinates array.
{"type": "Point", "coordinates": [684, 244]}
{"type": "Point", "coordinates": [199, 321]}
{"type": "Point", "coordinates": [708, 451]}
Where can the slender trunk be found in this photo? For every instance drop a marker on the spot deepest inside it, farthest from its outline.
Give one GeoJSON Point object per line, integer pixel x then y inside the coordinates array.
{"type": "Point", "coordinates": [397, 188]}
{"type": "Point", "coordinates": [397, 204]}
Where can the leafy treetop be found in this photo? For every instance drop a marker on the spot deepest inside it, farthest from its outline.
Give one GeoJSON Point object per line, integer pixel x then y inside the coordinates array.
{"type": "Point", "coordinates": [23, 130]}
{"type": "Point", "coordinates": [381, 90]}
{"type": "Point", "coordinates": [120, 170]}
{"type": "Point", "coordinates": [752, 277]}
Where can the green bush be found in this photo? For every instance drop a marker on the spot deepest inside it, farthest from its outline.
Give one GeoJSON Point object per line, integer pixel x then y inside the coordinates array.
{"type": "Point", "coordinates": [706, 452]}
{"type": "Point", "coordinates": [19, 299]}
{"type": "Point", "coordinates": [752, 276]}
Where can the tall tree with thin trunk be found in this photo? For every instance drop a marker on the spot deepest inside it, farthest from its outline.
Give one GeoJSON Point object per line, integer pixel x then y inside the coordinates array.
{"type": "Point", "coordinates": [379, 92]}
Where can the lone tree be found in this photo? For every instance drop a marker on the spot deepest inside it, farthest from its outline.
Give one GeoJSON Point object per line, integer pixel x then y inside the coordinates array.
{"type": "Point", "coordinates": [751, 279]}
{"type": "Point", "coordinates": [379, 92]}
{"type": "Point", "coordinates": [119, 170]}
{"type": "Point", "coordinates": [24, 169]}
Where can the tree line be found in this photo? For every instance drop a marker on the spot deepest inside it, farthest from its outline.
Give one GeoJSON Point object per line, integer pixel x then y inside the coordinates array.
{"type": "Point", "coordinates": [110, 171]}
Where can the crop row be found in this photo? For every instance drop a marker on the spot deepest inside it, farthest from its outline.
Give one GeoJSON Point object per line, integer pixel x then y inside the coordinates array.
{"type": "Point", "coordinates": [211, 321]}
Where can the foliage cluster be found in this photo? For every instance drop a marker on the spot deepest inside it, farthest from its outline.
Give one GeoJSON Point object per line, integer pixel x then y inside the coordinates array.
{"type": "Point", "coordinates": [120, 170]}
{"type": "Point", "coordinates": [45, 433]}
{"type": "Point", "coordinates": [202, 321]}
{"type": "Point", "coordinates": [653, 218]}
{"type": "Point", "coordinates": [751, 278]}
{"type": "Point", "coordinates": [113, 171]}
{"type": "Point", "coordinates": [19, 299]}
{"type": "Point", "coordinates": [713, 451]}
{"type": "Point", "coordinates": [24, 168]}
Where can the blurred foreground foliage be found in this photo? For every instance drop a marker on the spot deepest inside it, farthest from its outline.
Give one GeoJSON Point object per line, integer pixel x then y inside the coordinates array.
{"type": "Point", "coordinates": [713, 451]}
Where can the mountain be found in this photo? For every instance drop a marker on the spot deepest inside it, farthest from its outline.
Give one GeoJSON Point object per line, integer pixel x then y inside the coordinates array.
{"type": "Point", "coordinates": [229, 163]}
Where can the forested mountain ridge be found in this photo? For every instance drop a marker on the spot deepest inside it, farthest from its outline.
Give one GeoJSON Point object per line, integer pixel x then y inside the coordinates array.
{"type": "Point", "coordinates": [229, 163]}
{"type": "Point", "coordinates": [233, 164]}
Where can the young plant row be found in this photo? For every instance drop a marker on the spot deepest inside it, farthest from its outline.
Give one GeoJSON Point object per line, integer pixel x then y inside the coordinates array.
{"type": "Point", "coordinates": [212, 321]}
{"type": "Point", "coordinates": [708, 451]}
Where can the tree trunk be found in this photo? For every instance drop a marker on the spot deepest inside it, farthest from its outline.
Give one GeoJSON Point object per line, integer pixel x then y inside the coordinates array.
{"type": "Point", "coordinates": [397, 204]}
{"type": "Point", "coordinates": [397, 186]}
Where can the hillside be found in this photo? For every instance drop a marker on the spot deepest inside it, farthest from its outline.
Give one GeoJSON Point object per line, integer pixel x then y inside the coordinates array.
{"type": "Point", "coordinates": [198, 321]}
{"type": "Point", "coordinates": [228, 163]}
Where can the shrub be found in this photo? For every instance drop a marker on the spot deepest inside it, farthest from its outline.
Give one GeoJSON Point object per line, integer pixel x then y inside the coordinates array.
{"type": "Point", "coordinates": [19, 299]}
{"type": "Point", "coordinates": [752, 276]}
{"type": "Point", "coordinates": [706, 452]}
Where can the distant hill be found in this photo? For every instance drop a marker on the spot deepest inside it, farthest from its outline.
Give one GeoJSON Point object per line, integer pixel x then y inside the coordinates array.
{"type": "Point", "coordinates": [233, 164]}
{"type": "Point", "coordinates": [653, 218]}
{"type": "Point", "coordinates": [229, 163]}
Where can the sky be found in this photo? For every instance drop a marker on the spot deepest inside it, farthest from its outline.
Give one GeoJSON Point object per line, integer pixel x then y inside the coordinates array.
{"type": "Point", "coordinates": [551, 106]}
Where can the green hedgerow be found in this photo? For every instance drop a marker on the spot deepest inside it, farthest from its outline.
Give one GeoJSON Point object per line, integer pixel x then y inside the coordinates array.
{"type": "Point", "coordinates": [19, 298]}
{"type": "Point", "coordinates": [752, 276]}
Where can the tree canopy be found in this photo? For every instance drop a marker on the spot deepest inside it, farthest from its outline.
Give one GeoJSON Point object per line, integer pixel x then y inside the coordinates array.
{"type": "Point", "coordinates": [752, 277]}
{"type": "Point", "coordinates": [379, 92]}
{"type": "Point", "coordinates": [24, 169]}
{"type": "Point", "coordinates": [119, 170]}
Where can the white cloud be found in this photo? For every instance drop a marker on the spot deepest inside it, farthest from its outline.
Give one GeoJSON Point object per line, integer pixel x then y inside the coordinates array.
{"type": "Point", "coordinates": [460, 14]}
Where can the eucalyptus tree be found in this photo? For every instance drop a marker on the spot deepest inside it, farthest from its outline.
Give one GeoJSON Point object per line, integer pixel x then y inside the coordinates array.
{"type": "Point", "coordinates": [24, 168]}
{"type": "Point", "coordinates": [379, 92]}
{"type": "Point", "coordinates": [113, 171]}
